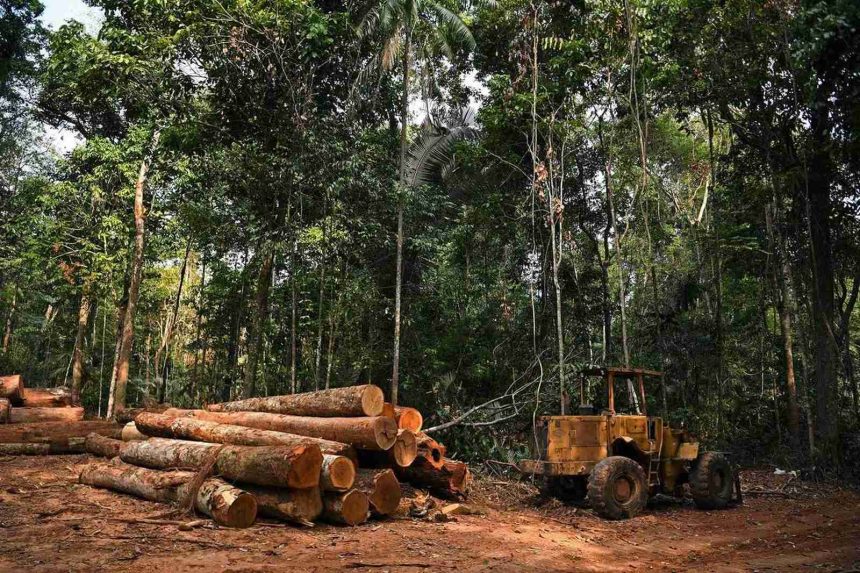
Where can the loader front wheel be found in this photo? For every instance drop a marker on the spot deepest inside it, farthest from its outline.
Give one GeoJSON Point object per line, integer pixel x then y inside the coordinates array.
{"type": "Point", "coordinates": [711, 481]}
{"type": "Point", "coordinates": [617, 488]}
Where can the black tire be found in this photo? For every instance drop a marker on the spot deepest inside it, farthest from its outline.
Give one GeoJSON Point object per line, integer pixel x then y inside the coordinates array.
{"type": "Point", "coordinates": [567, 488]}
{"type": "Point", "coordinates": [617, 488]}
{"type": "Point", "coordinates": [711, 481]}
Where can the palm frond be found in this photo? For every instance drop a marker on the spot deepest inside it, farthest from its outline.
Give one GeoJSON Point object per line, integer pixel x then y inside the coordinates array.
{"type": "Point", "coordinates": [453, 31]}
{"type": "Point", "coordinates": [431, 152]}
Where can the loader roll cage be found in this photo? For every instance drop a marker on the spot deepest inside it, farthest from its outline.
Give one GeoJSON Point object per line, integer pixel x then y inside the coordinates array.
{"type": "Point", "coordinates": [610, 374]}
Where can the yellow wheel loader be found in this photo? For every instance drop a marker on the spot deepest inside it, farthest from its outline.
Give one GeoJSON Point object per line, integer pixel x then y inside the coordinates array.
{"type": "Point", "coordinates": [618, 460]}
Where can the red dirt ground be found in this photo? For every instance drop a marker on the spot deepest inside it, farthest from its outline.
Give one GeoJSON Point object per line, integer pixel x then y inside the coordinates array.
{"type": "Point", "coordinates": [50, 523]}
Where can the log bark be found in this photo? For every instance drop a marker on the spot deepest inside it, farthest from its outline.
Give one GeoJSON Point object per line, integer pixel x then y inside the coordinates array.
{"type": "Point", "coordinates": [350, 508]}
{"type": "Point", "coordinates": [12, 387]}
{"type": "Point", "coordinates": [227, 505]}
{"type": "Point", "coordinates": [408, 418]}
{"type": "Point", "coordinates": [129, 414]}
{"type": "Point", "coordinates": [286, 466]}
{"type": "Point", "coordinates": [300, 506]}
{"type": "Point", "coordinates": [431, 450]}
{"type": "Point", "coordinates": [25, 415]}
{"type": "Point", "coordinates": [130, 433]}
{"type": "Point", "coordinates": [451, 481]}
{"type": "Point", "coordinates": [4, 411]}
{"type": "Point", "coordinates": [46, 397]}
{"type": "Point", "coordinates": [198, 430]}
{"type": "Point", "coordinates": [337, 474]}
{"type": "Point", "coordinates": [56, 431]}
{"type": "Point", "coordinates": [382, 489]}
{"type": "Point", "coordinates": [402, 454]}
{"type": "Point", "coordinates": [103, 446]}
{"type": "Point", "coordinates": [376, 433]}
{"type": "Point", "coordinates": [366, 400]}
{"type": "Point", "coordinates": [68, 446]}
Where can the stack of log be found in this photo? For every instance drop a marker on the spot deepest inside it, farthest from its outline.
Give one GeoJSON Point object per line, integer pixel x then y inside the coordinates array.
{"type": "Point", "coordinates": [336, 455]}
{"type": "Point", "coordinates": [37, 421]}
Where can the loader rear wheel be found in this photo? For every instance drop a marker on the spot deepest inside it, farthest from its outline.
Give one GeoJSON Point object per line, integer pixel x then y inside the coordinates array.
{"type": "Point", "coordinates": [617, 488]}
{"type": "Point", "coordinates": [711, 481]}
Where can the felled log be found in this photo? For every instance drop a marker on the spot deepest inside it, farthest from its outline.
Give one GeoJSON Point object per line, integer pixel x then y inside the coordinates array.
{"type": "Point", "coordinates": [57, 431]}
{"type": "Point", "coordinates": [366, 400]}
{"type": "Point", "coordinates": [226, 504]}
{"type": "Point", "coordinates": [127, 415]}
{"type": "Point", "coordinates": [12, 387]}
{"type": "Point", "coordinates": [67, 446]}
{"type": "Point", "coordinates": [431, 450]}
{"type": "Point", "coordinates": [388, 411]}
{"type": "Point", "coordinates": [26, 415]}
{"type": "Point", "coordinates": [337, 473]}
{"type": "Point", "coordinates": [4, 410]}
{"type": "Point", "coordinates": [376, 433]}
{"type": "Point", "coordinates": [288, 466]}
{"type": "Point", "coordinates": [199, 430]}
{"type": "Point", "coordinates": [402, 454]}
{"type": "Point", "coordinates": [130, 433]}
{"type": "Point", "coordinates": [301, 506]}
{"type": "Point", "coordinates": [408, 418]}
{"type": "Point", "coordinates": [350, 508]}
{"type": "Point", "coordinates": [381, 487]}
{"type": "Point", "coordinates": [451, 481]}
{"type": "Point", "coordinates": [99, 445]}
{"type": "Point", "coordinates": [46, 397]}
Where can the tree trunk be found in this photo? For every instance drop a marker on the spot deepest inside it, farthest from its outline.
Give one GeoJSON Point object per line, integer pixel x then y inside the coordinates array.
{"type": "Point", "coordinates": [103, 446]}
{"type": "Point", "coordinates": [56, 431]}
{"type": "Point", "coordinates": [398, 280]}
{"type": "Point", "coordinates": [195, 373]}
{"type": "Point", "coordinates": [161, 372]}
{"type": "Point", "coordinates": [60, 447]}
{"type": "Point", "coordinates": [12, 388]}
{"type": "Point", "coordinates": [199, 430]}
{"type": "Point", "coordinates": [408, 418]}
{"type": "Point", "coordinates": [27, 415]}
{"type": "Point", "coordinates": [350, 508]}
{"type": "Point", "coordinates": [116, 401]}
{"type": "Point", "coordinates": [300, 506]}
{"type": "Point", "coordinates": [78, 357]}
{"type": "Point", "coordinates": [451, 481]}
{"type": "Point", "coordinates": [227, 505]}
{"type": "Point", "coordinates": [7, 330]}
{"type": "Point", "coordinates": [381, 488]}
{"type": "Point", "coordinates": [46, 397]}
{"type": "Point", "coordinates": [366, 400]}
{"type": "Point", "coordinates": [285, 466]}
{"type": "Point", "coordinates": [376, 433]}
{"type": "Point", "coordinates": [264, 282]}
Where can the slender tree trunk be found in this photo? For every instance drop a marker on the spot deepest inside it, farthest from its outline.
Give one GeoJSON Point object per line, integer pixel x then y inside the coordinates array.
{"type": "Point", "coordinates": [264, 282]}
{"type": "Point", "coordinates": [195, 375]}
{"type": "Point", "coordinates": [117, 399]}
{"type": "Point", "coordinates": [293, 331]}
{"type": "Point", "coordinates": [318, 358]}
{"type": "Point", "coordinates": [7, 331]}
{"type": "Point", "coordinates": [786, 309]}
{"type": "Point", "coordinates": [404, 127]}
{"type": "Point", "coordinates": [161, 372]}
{"type": "Point", "coordinates": [80, 340]}
{"type": "Point", "coordinates": [233, 348]}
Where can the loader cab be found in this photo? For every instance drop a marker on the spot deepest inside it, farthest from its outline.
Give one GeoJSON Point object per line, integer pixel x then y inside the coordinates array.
{"type": "Point", "coordinates": [614, 391]}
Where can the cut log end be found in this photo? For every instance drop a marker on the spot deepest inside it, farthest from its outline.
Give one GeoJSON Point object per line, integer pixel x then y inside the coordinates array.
{"type": "Point", "coordinates": [385, 433]}
{"type": "Point", "coordinates": [306, 467]}
{"type": "Point", "coordinates": [338, 473]}
{"type": "Point", "coordinates": [130, 433]}
{"type": "Point", "coordinates": [409, 418]}
{"type": "Point", "coordinates": [405, 448]}
{"type": "Point", "coordinates": [4, 410]}
{"type": "Point", "coordinates": [350, 508]}
{"type": "Point", "coordinates": [372, 400]}
{"type": "Point", "coordinates": [240, 510]}
{"type": "Point", "coordinates": [12, 387]}
{"type": "Point", "coordinates": [382, 490]}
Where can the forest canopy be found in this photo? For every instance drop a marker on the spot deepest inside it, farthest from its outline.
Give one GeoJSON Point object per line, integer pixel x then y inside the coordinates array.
{"type": "Point", "coordinates": [465, 202]}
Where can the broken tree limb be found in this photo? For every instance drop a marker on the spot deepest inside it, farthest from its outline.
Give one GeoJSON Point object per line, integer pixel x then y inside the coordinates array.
{"type": "Point", "coordinates": [4, 410]}
{"type": "Point", "coordinates": [451, 481]}
{"type": "Point", "coordinates": [382, 489]}
{"type": "Point", "coordinates": [68, 446]}
{"type": "Point", "coordinates": [408, 418]}
{"type": "Point", "coordinates": [130, 433]}
{"type": "Point", "coordinates": [376, 433]}
{"type": "Point", "coordinates": [366, 400]}
{"type": "Point", "coordinates": [56, 431]}
{"type": "Point", "coordinates": [224, 503]}
{"type": "Point", "coordinates": [337, 474]}
{"type": "Point", "coordinates": [350, 508]}
{"type": "Point", "coordinates": [105, 447]}
{"type": "Point", "coordinates": [287, 466]}
{"type": "Point", "coordinates": [29, 415]}
{"type": "Point", "coordinates": [12, 388]}
{"type": "Point", "coordinates": [300, 506]}
{"type": "Point", "coordinates": [46, 397]}
{"type": "Point", "coordinates": [183, 428]}
{"type": "Point", "coordinates": [402, 454]}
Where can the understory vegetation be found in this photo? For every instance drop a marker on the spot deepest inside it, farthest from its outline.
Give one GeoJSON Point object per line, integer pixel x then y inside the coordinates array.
{"type": "Point", "coordinates": [464, 202]}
